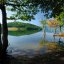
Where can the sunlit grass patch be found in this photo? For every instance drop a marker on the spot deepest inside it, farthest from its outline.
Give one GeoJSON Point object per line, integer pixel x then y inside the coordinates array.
{"type": "Point", "coordinates": [51, 46]}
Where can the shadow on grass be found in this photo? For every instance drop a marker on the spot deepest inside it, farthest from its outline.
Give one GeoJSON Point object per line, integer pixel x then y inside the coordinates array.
{"type": "Point", "coordinates": [8, 59]}
{"type": "Point", "coordinates": [48, 58]}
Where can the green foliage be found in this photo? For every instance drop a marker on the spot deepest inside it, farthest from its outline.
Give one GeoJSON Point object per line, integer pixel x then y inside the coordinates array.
{"type": "Point", "coordinates": [61, 23]}
{"type": "Point", "coordinates": [2, 1]}
{"type": "Point", "coordinates": [26, 9]}
{"type": "Point", "coordinates": [61, 19]}
{"type": "Point", "coordinates": [43, 23]}
{"type": "Point", "coordinates": [61, 16]}
{"type": "Point", "coordinates": [20, 24]}
{"type": "Point", "coordinates": [23, 28]}
{"type": "Point", "coordinates": [23, 9]}
{"type": "Point", "coordinates": [20, 33]}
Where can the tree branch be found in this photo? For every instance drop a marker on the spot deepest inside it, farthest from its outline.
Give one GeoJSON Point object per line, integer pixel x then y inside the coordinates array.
{"type": "Point", "coordinates": [10, 4]}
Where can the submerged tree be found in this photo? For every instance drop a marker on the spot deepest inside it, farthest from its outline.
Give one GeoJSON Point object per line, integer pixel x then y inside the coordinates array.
{"type": "Point", "coordinates": [54, 24]}
{"type": "Point", "coordinates": [44, 23]}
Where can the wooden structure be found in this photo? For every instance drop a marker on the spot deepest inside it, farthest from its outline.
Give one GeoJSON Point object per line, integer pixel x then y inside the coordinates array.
{"type": "Point", "coordinates": [60, 35]}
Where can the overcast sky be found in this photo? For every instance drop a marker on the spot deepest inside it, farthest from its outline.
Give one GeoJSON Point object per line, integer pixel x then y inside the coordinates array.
{"type": "Point", "coordinates": [38, 18]}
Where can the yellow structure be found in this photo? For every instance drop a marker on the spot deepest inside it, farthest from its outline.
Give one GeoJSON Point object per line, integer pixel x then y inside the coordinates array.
{"type": "Point", "coordinates": [52, 23]}
{"type": "Point", "coordinates": [60, 35]}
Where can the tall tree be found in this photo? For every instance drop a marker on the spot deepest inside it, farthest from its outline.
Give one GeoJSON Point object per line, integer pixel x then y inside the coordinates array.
{"type": "Point", "coordinates": [4, 24]}
{"type": "Point", "coordinates": [54, 24]}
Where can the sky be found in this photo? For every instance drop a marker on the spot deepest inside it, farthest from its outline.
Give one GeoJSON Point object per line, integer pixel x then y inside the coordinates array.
{"type": "Point", "coordinates": [38, 17]}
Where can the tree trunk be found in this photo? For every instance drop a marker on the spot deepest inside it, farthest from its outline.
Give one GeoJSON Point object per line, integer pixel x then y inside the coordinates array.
{"type": "Point", "coordinates": [44, 34]}
{"type": "Point", "coordinates": [0, 41]}
{"type": "Point", "coordinates": [54, 32]}
{"type": "Point", "coordinates": [5, 29]}
{"type": "Point", "coordinates": [60, 28]}
{"type": "Point", "coordinates": [60, 37]}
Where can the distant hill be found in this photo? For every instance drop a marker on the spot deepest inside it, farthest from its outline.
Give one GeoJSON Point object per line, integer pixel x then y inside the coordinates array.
{"type": "Point", "coordinates": [19, 28]}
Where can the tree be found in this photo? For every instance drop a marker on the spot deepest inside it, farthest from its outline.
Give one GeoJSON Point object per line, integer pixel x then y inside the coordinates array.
{"type": "Point", "coordinates": [28, 8]}
{"type": "Point", "coordinates": [25, 15]}
{"type": "Point", "coordinates": [5, 30]}
{"type": "Point", "coordinates": [53, 23]}
{"type": "Point", "coordinates": [44, 23]}
{"type": "Point", "coordinates": [61, 20]}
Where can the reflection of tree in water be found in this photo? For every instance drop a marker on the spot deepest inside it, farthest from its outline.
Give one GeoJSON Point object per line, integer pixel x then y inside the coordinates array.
{"type": "Point", "coordinates": [60, 35]}
{"type": "Point", "coordinates": [50, 46]}
{"type": "Point", "coordinates": [54, 24]}
{"type": "Point", "coordinates": [44, 23]}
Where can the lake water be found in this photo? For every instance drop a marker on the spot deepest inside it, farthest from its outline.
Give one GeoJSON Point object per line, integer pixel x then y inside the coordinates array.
{"type": "Point", "coordinates": [30, 44]}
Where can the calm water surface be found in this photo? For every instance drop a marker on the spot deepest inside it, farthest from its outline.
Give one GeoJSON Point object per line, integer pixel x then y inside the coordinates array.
{"type": "Point", "coordinates": [28, 44]}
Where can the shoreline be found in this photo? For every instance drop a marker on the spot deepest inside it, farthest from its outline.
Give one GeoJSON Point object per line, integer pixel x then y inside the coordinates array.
{"type": "Point", "coordinates": [48, 58]}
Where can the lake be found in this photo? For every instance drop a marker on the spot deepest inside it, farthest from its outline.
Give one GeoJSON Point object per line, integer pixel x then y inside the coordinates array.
{"type": "Point", "coordinates": [30, 44]}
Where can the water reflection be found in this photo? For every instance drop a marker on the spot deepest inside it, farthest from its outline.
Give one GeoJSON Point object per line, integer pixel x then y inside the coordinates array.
{"type": "Point", "coordinates": [32, 44]}
{"type": "Point", "coordinates": [50, 46]}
